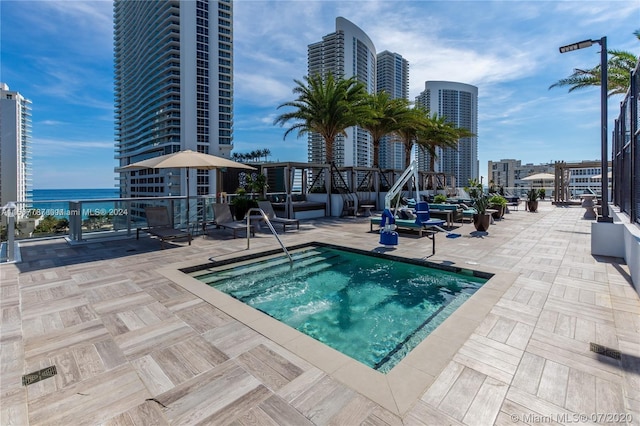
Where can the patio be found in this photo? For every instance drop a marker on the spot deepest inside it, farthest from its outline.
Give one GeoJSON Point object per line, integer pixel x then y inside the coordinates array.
{"type": "Point", "coordinates": [132, 346]}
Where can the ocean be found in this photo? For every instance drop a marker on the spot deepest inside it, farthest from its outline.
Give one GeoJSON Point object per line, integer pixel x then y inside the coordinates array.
{"type": "Point", "coordinates": [55, 202]}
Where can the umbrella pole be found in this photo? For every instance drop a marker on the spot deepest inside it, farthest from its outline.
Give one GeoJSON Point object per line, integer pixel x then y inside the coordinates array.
{"type": "Point", "coordinates": [188, 199]}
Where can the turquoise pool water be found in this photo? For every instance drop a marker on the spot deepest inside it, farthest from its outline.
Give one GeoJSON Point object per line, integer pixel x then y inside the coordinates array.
{"type": "Point", "coordinates": [373, 309]}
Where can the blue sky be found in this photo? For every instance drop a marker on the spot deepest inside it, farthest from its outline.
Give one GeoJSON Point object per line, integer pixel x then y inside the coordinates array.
{"type": "Point", "coordinates": [59, 55]}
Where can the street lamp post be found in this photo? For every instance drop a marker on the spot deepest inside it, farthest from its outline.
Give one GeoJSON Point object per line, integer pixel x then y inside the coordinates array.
{"type": "Point", "coordinates": [603, 118]}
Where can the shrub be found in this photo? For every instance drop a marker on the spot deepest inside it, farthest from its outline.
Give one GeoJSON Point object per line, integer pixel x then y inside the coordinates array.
{"type": "Point", "coordinates": [498, 200]}
{"type": "Point", "coordinates": [440, 199]}
{"type": "Point", "coordinates": [532, 195]}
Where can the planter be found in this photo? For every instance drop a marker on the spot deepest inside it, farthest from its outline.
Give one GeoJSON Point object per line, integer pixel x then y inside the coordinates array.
{"type": "Point", "coordinates": [532, 206]}
{"type": "Point", "coordinates": [482, 221]}
{"type": "Point", "coordinates": [501, 209]}
{"type": "Point", "coordinates": [241, 206]}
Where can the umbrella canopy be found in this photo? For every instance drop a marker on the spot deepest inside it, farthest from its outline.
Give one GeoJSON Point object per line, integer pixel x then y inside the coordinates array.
{"type": "Point", "coordinates": [540, 176]}
{"type": "Point", "coordinates": [600, 176]}
{"type": "Point", "coordinates": [186, 159]}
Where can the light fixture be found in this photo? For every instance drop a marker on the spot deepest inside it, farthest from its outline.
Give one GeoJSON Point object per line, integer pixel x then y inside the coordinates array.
{"type": "Point", "coordinates": [604, 166]}
{"type": "Point", "coordinates": [579, 45]}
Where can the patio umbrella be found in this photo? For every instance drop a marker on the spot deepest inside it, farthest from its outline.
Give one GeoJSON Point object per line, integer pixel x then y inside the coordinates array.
{"type": "Point", "coordinates": [186, 159]}
{"type": "Point", "coordinates": [600, 176]}
{"type": "Point", "coordinates": [540, 176]}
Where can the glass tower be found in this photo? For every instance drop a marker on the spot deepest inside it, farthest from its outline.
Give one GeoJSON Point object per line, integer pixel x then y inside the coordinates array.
{"type": "Point", "coordinates": [15, 147]}
{"type": "Point", "coordinates": [393, 78]}
{"type": "Point", "coordinates": [345, 53]}
{"type": "Point", "coordinates": [173, 63]}
{"type": "Point", "coordinates": [458, 103]}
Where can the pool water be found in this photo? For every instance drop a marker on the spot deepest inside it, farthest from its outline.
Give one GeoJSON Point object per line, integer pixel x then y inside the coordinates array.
{"type": "Point", "coordinates": [371, 308]}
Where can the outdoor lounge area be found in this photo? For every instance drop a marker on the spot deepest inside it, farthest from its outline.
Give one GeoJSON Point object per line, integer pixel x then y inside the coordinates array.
{"type": "Point", "coordinates": [134, 344]}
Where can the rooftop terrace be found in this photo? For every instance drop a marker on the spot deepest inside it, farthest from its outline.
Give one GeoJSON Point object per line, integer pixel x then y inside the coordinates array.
{"type": "Point", "coordinates": [133, 346]}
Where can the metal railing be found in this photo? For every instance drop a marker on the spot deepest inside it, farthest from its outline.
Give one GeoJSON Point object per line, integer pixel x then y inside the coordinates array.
{"type": "Point", "coordinates": [79, 219]}
{"type": "Point", "coordinates": [626, 152]}
{"type": "Point", "coordinates": [273, 231]}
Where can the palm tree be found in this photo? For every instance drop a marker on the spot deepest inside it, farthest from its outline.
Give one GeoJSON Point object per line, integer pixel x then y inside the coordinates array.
{"type": "Point", "coordinates": [325, 106]}
{"type": "Point", "coordinates": [386, 115]}
{"type": "Point", "coordinates": [439, 133]}
{"type": "Point", "coordinates": [619, 67]}
{"type": "Point", "coordinates": [414, 121]}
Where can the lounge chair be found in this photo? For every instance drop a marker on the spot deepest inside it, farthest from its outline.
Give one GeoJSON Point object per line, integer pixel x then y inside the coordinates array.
{"type": "Point", "coordinates": [267, 208]}
{"type": "Point", "coordinates": [159, 225]}
{"type": "Point", "coordinates": [223, 219]}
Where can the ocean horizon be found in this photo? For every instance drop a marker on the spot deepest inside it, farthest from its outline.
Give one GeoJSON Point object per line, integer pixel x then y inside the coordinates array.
{"type": "Point", "coordinates": [55, 202]}
{"type": "Point", "coordinates": [56, 194]}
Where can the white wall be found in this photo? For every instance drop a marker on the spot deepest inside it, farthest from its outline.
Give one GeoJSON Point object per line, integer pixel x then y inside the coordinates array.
{"type": "Point", "coordinates": [618, 239]}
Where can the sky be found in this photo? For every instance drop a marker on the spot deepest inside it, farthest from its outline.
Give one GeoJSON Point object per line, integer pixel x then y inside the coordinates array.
{"type": "Point", "coordinates": [59, 54]}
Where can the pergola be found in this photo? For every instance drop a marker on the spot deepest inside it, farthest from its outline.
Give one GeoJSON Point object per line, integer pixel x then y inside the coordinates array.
{"type": "Point", "coordinates": [563, 177]}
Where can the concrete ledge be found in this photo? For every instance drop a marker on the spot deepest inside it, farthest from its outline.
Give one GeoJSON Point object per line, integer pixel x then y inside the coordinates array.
{"type": "Point", "coordinates": [618, 239]}
{"type": "Point", "coordinates": [607, 239]}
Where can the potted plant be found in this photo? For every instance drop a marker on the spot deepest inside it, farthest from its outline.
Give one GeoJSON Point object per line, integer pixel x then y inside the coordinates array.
{"type": "Point", "coordinates": [542, 193]}
{"type": "Point", "coordinates": [257, 183]}
{"type": "Point", "coordinates": [482, 219]}
{"type": "Point", "coordinates": [499, 203]}
{"type": "Point", "coordinates": [532, 200]}
{"type": "Point", "coordinates": [240, 204]}
{"type": "Point", "coordinates": [474, 189]}
{"type": "Point", "coordinates": [440, 199]}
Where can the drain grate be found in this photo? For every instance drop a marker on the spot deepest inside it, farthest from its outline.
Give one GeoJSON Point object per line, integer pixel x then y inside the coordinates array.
{"type": "Point", "coordinates": [603, 350]}
{"type": "Point", "coordinates": [36, 376]}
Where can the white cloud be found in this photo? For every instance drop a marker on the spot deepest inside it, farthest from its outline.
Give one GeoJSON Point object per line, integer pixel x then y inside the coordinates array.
{"type": "Point", "coordinates": [50, 122]}
{"type": "Point", "coordinates": [50, 146]}
{"type": "Point", "coordinates": [261, 90]}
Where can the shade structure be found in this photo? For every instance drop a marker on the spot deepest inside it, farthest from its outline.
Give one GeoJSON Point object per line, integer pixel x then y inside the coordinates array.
{"type": "Point", "coordinates": [540, 176]}
{"type": "Point", "coordinates": [600, 176]}
{"type": "Point", "coordinates": [186, 159]}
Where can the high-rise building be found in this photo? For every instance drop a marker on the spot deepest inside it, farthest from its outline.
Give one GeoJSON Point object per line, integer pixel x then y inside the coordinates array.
{"type": "Point", "coordinates": [458, 103]}
{"type": "Point", "coordinates": [345, 53]}
{"type": "Point", "coordinates": [15, 147]}
{"type": "Point", "coordinates": [173, 89]}
{"type": "Point", "coordinates": [393, 78]}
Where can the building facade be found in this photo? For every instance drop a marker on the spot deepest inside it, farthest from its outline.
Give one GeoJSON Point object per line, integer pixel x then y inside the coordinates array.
{"type": "Point", "coordinates": [173, 65]}
{"type": "Point", "coordinates": [458, 103]}
{"type": "Point", "coordinates": [15, 147]}
{"type": "Point", "coordinates": [392, 75]}
{"type": "Point", "coordinates": [346, 53]}
{"type": "Point", "coordinates": [503, 173]}
{"type": "Point", "coordinates": [508, 174]}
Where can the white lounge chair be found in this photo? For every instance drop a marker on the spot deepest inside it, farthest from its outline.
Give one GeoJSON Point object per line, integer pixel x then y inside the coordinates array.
{"type": "Point", "coordinates": [267, 208]}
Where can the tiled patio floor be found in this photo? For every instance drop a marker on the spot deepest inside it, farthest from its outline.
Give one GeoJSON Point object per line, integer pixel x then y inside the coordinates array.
{"type": "Point", "coordinates": [132, 347]}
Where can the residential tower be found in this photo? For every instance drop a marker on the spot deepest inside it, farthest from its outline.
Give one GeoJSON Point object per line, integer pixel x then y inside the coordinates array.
{"type": "Point", "coordinates": [15, 147]}
{"type": "Point", "coordinates": [173, 89]}
{"type": "Point", "coordinates": [458, 103]}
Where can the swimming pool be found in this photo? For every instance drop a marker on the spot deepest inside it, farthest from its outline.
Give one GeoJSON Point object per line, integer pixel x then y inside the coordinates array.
{"type": "Point", "coordinates": [373, 308]}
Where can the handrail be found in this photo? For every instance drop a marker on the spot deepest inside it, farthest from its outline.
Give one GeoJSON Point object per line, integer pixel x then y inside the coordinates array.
{"type": "Point", "coordinates": [273, 231]}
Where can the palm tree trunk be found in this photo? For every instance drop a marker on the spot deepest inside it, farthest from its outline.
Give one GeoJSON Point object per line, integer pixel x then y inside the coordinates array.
{"type": "Point", "coordinates": [407, 155]}
{"type": "Point", "coordinates": [329, 151]}
{"type": "Point", "coordinates": [376, 152]}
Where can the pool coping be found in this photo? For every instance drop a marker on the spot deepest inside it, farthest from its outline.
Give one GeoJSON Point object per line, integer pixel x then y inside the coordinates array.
{"type": "Point", "coordinates": [400, 388]}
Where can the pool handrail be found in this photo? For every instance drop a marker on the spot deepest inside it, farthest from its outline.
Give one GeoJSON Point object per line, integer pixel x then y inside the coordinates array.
{"type": "Point", "coordinates": [273, 231]}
